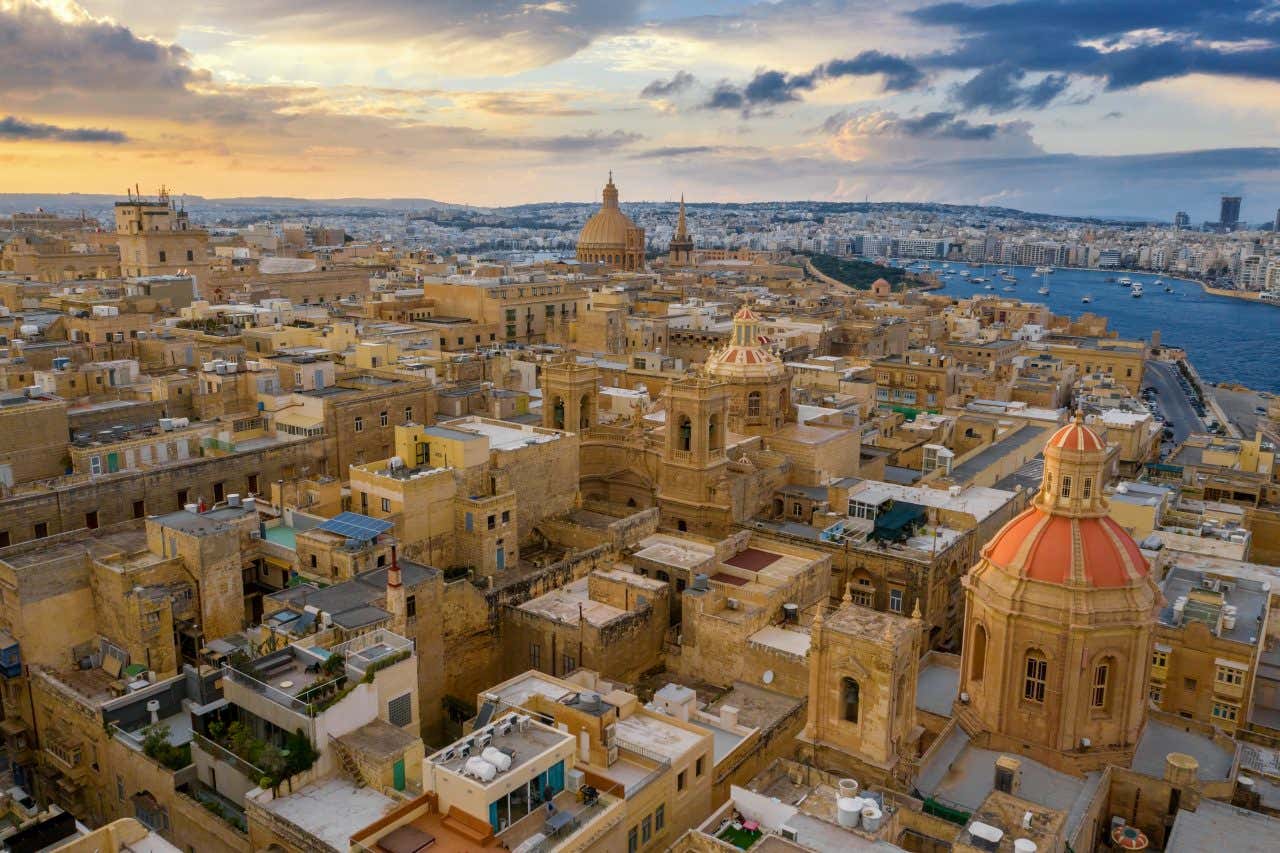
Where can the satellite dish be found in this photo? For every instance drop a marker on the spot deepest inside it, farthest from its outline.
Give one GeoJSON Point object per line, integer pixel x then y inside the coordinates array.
{"type": "Point", "coordinates": [767, 678]}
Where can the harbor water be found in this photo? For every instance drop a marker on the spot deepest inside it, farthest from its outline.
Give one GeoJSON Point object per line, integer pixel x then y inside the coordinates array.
{"type": "Point", "coordinates": [1228, 340]}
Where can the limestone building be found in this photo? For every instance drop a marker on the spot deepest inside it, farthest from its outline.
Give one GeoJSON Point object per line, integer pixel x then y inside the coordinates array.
{"type": "Point", "coordinates": [610, 238]}
{"type": "Point", "coordinates": [156, 238]}
{"type": "Point", "coordinates": [1060, 612]}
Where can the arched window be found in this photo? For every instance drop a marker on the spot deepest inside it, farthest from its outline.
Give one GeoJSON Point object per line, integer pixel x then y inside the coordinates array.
{"type": "Point", "coordinates": [713, 432]}
{"type": "Point", "coordinates": [978, 655]}
{"type": "Point", "coordinates": [558, 411]}
{"type": "Point", "coordinates": [584, 411]}
{"type": "Point", "coordinates": [782, 403]}
{"type": "Point", "coordinates": [631, 502]}
{"type": "Point", "coordinates": [681, 524]}
{"type": "Point", "coordinates": [753, 404]}
{"type": "Point", "coordinates": [850, 695]}
{"type": "Point", "coordinates": [1099, 693]}
{"type": "Point", "coordinates": [685, 434]}
{"type": "Point", "coordinates": [1035, 677]}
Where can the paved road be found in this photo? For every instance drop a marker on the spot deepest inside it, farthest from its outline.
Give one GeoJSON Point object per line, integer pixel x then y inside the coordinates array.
{"type": "Point", "coordinates": [1174, 403]}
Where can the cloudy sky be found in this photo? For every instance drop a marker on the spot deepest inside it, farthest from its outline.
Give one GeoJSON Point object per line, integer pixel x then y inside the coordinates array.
{"type": "Point", "coordinates": [1070, 106]}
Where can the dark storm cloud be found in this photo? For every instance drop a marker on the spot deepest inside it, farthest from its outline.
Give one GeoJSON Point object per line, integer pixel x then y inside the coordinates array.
{"type": "Point", "coordinates": [899, 74]}
{"type": "Point", "coordinates": [770, 88]}
{"type": "Point", "coordinates": [999, 88]}
{"type": "Point", "coordinates": [1125, 44]}
{"type": "Point", "coordinates": [13, 128]}
{"type": "Point", "coordinates": [666, 88]}
{"type": "Point", "coordinates": [42, 52]}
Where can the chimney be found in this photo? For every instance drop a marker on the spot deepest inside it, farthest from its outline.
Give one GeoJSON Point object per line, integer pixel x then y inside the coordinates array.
{"type": "Point", "coordinates": [1008, 774]}
{"type": "Point", "coordinates": [397, 604]}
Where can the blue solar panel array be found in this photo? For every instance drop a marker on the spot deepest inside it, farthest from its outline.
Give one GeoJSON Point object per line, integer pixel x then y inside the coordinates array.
{"type": "Point", "coordinates": [353, 525]}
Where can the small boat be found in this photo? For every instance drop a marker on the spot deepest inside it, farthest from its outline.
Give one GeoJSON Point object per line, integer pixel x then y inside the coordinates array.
{"type": "Point", "coordinates": [1136, 290]}
{"type": "Point", "coordinates": [1043, 291]}
{"type": "Point", "coordinates": [1002, 271]}
{"type": "Point", "coordinates": [1086, 299]}
{"type": "Point", "coordinates": [1125, 280]}
{"type": "Point", "coordinates": [1044, 270]}
{"type": "Point", "coordinates": [1009, 278]}
{"type": "Point", "coordinates": [988, 287]}
{"type": "Point", "coordinates": [1168, 289]}
{"type": "Point", "coordinates": [1158, 282]}
{"type": "Point", "coordinates": [1009, 289]}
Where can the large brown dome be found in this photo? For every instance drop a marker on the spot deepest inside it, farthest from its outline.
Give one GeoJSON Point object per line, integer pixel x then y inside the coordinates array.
{"type": "Point", "coordinates": [610, 237]}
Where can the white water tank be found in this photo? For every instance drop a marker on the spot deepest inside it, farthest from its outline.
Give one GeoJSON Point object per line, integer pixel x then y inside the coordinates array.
{"type": "Point", "coordinates": [848, 811]}
{"type": "Point", "coordinates": [1024, 845]}
{"type": "Point", "coordinates": [497, 758]}
{"type": "Point", "coordinates": [478, 768]}
{"type": "Point", "coordinates": [871, 816]}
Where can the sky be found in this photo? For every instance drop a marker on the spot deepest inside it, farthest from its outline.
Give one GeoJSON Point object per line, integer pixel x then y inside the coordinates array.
{"type": "Point", "coordinates": [1094, 107]}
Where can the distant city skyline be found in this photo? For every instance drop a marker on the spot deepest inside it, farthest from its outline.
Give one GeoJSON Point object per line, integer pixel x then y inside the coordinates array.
{"type": "Point", "coordinates": [1075, 108]}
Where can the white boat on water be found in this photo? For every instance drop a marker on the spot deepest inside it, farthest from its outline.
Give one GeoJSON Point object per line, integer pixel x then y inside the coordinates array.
{"type": "Point", "coordinates": [1086, 299]}
{"type": "Point", "coordinates": [1126, 281]}
{"type": "Point", "coordinates": [1158, 282]}
{"type": "Point", "coordinates": [1136, 290]}
{"type": "Point", "coordinates": [1012, 279]}
{"type": "Point", "coordinates": [1043, 270]}
{"type": "Point", "coordinates": [1043, 291]}
{"type": "Point", "coordinates": [988, 287]}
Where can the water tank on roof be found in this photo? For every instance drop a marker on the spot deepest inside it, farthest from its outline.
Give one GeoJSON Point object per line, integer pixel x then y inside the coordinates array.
{"type": "Point", "coordinates": [849, 811]}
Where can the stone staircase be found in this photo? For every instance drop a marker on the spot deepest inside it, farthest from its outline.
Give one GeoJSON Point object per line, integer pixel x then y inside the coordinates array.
{"type": "Point", "coordinates": [348, 761]}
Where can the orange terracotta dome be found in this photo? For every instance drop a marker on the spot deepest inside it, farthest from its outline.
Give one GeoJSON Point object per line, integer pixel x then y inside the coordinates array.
{"type": "Point", "coordinates": [1076, 436]}
{"type": "Point", "coordinates": [1066, 536]}
{"type": "Point", "coordinates": [1069, 551]}
{"type": "Point", "coordinates": [747, 355]}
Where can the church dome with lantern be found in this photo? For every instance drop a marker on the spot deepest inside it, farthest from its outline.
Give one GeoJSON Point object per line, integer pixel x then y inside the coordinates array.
{"type": "Point", "coordinates": [1059, 614]}
{"type": "Point", "coordinates": [610, 237]}
{"type": "Point", "coordinates": [759, 400]}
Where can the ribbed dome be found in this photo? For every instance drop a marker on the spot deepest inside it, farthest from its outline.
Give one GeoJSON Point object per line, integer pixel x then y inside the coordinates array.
{"type": "Point", "coordinates": [746, 357]}
{"type": "Point", "coordinates": [1076, 436]}
{"type": "Point", "coordinates": [1063, 550]}
{"type": "Point", "coordinates": [608, 228]}
{"type": "Point", "coordinates": [1066, 535]}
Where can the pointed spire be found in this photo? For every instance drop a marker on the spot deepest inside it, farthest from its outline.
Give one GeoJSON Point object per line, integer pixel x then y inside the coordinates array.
{"type": "Point", "coordinates": [915, 610]}
{"type": "Point", "coordinates": [682, 227]}
{"type": "Point", "coordinates": [848, 593]}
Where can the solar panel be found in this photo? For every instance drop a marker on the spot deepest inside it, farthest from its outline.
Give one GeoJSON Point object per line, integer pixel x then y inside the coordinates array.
{"type": "Point", "coordinates": [353, 525]}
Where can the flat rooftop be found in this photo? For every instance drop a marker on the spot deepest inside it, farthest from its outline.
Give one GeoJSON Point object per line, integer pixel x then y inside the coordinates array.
{"type": "Point", "coordinates": [521, 745]}
{"type": "Point", "coordinates": [1160, 738]}
{"type": "Point", "coordinates": [937, 686]}
{"type": "Point", "coordinates": [570, 603]}
{"type": "Point", "coordinates": [332, 810]}
{"type": "Point", "coordinates": [1216, 826]}
{"type": "Point", "coordinates": [978, 501]}
{"type": "Point", "coordinates": [964, 774]}
{"type": "Point", "coordinates": [504, 436]}
{"type": "Point", "coordinates": [653, 734]}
